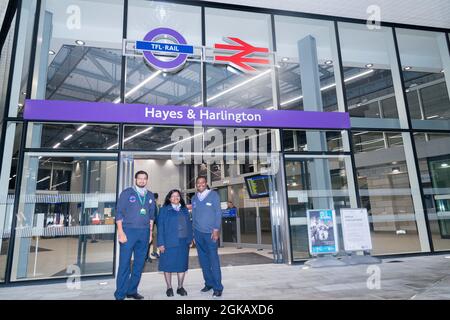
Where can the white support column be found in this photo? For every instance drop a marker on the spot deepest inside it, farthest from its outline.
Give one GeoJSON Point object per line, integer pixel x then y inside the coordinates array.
{"type": "Point", "coordinates": [415, 193]}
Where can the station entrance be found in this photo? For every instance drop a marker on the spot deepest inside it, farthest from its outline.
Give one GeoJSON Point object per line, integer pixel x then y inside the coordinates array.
{"type": "Point", "coordinates": [246, 232]}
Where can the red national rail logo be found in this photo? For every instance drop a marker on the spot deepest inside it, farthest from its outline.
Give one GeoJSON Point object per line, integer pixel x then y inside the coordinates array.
{"type": "Point", "coordinates": [241, 58]}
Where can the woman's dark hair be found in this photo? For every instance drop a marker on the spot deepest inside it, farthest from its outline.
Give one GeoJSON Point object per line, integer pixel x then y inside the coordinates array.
{"type": "Point", "coordinates": [167, 200]}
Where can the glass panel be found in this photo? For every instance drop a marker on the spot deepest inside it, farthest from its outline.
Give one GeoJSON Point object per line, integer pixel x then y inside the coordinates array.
{"type": "Point", "coordinates": [84, 61]}
{"type": "Point", "coordinates": [19, 84]}
{"type": "Point", "coordinates": [248, 224]}
{"type": "Point", "coordinates": [425, 60]}
{"type": "Point", "coordinates": [289, 30]}
{"type": "Point", "coordinates": [433, 151]}
{"type": "Point", "coordinates": [8, 180]}
{"type": "Point", "coordinates": [5, 65]}
{"type": "Point", "coordinates": [66, 215]}
{"type": "Point", "coordinates": [73, 136]}
{"type": "Point", "coordinates": [385, 191]}
{"type": "Point", "coordinates": [313, 184]}
{"type": "Point", "coordinates": [297, 140]}
{"type": "Point", "coordinates": [227, 86]}
{"type": "Point", "coordinates": [266, 225]}
{"type": "Point", "coordinates": [367, 57]}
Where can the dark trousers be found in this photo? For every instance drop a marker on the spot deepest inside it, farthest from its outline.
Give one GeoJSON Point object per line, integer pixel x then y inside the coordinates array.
{"type": "Point", "coordinates": [128, 280]}
{"type": "Point", "coordinates": [208, 257]}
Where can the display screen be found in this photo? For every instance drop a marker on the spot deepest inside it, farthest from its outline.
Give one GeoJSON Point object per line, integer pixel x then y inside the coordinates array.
{"type": "Point", "coordinates": [257, 186]}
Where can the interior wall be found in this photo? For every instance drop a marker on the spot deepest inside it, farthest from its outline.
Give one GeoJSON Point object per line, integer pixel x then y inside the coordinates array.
{"type": "Point", "coordinates": [163, 175]}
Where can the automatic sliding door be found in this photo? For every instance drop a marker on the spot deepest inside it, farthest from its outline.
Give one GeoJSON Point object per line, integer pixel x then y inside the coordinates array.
{"type": "Point", "coordinates": [314, 183]}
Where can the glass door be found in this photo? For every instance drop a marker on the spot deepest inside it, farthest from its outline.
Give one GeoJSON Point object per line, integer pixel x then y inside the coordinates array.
{"type": "Point", "coordinates": [314, 182]}
{"type": "Point", "coordinates": [65, 220]}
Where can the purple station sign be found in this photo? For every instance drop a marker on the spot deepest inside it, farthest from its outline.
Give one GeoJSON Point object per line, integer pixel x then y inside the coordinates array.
{"type": "Point", "coordinates": [80, 111]}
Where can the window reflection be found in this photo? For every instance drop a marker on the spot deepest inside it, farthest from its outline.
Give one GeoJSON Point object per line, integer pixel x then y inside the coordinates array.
{"type": "Point", "coordinates": [426, 82]}
{"type": "Point", "coordinates": [65, 219]}
{"type": "Point", "coordinates": [433, 151]}
{"type": "Point", "coordinates": [368, 57]}
{"type": "Point", "coordinates": [385, 191]}
{"type": "Point", "coordinates": [289, 31]}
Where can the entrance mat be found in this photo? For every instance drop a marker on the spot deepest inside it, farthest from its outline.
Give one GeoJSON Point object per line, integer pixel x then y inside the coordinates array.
{"type": "Point", "coordinates": [232, 259]}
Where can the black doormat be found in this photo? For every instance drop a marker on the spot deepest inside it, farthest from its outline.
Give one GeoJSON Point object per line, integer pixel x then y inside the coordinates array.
{"type": "Point", "coordinates": [226, 260]}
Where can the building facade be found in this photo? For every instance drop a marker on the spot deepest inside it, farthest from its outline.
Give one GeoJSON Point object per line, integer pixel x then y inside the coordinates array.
{"type": "Point", "coordinates": [60, 180]}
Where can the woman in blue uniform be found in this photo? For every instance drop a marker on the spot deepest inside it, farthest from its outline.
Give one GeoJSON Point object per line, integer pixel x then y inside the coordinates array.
{"type": "Point", "coordinates": [174, 238]}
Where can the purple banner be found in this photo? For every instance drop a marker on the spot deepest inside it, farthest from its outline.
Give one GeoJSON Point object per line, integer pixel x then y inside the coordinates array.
{"type": "Point", "coordinates": [79, 111]}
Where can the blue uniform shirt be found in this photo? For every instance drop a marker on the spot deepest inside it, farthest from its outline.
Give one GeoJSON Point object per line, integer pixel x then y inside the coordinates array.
{"type": "Point", "coordinates": [129, 209]}
{"type": "Point", "coordinates": [207, 214]}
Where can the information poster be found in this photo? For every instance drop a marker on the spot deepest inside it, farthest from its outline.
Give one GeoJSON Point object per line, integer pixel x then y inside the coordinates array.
{"type": "Point", "coordinates": [322, 232]}
{"type": "Point", "coordinates": [355, 230]}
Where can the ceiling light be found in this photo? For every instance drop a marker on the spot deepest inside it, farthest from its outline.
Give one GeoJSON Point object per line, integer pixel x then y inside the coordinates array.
{"type": "Point", "coordinates": [233, 70]}
{"type": "Point", "coordinates": [369, 65]}
{"type": "Point", "coordinates": [284, 59]}
{"type": "Point", "coordinates": [243, 83]}
{"type": "Point", "coordinates": [51, 52]}
{"type": "Point", "coordinates": [442, 71]}
{"type": "Point", "coordinates": [80, 42]}
{"type": "Point", "coordinates": [395, 170]}
{"type": "Point", "coordinates": [329, 62]}
{"type": "Point", "coordinates": [68, 137]}
{"type": "Point", "coordinates": [82, 127]}
{"type": "Point", "coordinates": [444, 165]}
{"type": "Point", "coordinates": [140, 85]}
{"type": "Point", "coordinates": [407, 68]}
{"type": "Point", "coordinates": [56, 145]}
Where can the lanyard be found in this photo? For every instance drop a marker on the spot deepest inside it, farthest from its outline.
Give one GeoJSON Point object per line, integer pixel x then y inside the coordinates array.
{"type": "Point", "coordinates": [141, 199]}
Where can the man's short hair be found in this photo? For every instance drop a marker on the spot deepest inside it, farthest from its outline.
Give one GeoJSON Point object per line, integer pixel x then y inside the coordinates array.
{"type": "Point", "coordinates": [140, 172]}
{"type": "Point", "coordinates": [201, 177]}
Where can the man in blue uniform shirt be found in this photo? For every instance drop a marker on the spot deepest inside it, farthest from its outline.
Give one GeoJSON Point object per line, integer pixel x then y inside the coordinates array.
{"type": "Point", "coordinates": [134, 219]}
{"type": "Point", "coordinates": [206, 218]}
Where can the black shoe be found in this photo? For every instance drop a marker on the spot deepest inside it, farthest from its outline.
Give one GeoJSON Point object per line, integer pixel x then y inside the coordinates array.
{"type": "Point", "coordinates": [136, 296]}
{"type": "Point", "coordinates": [169, 292]}
{"type": "Point", "coordinates": [182, 292]}
{"type": "Point", "coordinates": [217, 294]}
{"type": "Point", "coordinates": [206, 289]}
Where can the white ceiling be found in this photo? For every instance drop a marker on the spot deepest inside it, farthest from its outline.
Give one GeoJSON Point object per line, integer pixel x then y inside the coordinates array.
{"type": "Point", "coordinates": [432, 13]}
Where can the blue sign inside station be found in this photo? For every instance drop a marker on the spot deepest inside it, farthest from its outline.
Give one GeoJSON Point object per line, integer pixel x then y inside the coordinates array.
{"type": "Point", "coordinates": [164, 47]}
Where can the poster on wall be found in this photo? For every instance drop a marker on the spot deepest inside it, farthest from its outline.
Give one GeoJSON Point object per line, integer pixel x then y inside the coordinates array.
{"type": "Point", "coordinates": [355, 229]}
{"type": "Point", "coordinates": [322, 232]}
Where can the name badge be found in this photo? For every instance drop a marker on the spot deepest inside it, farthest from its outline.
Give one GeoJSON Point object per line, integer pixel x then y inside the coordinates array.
{"type": "Point", "coordinates": [209, 204]}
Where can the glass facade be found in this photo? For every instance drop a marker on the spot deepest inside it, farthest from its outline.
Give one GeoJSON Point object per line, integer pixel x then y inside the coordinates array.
{"type": "Point", "coordinates": [59, 181]}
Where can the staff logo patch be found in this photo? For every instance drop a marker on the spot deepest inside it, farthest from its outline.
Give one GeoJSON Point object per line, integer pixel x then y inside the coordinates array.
{"type": "Point", "coordinates": [132, 199]}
